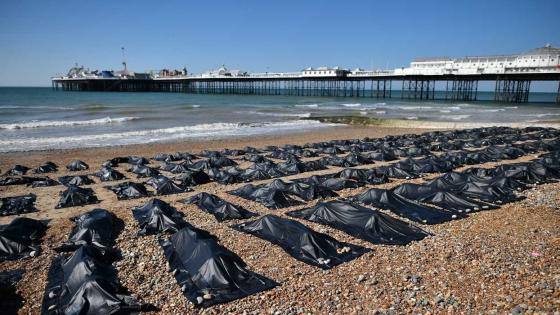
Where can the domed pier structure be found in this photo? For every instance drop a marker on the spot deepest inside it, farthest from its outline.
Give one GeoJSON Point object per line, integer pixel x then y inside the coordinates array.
{"type": "Point", "coordinates": [458, 79]}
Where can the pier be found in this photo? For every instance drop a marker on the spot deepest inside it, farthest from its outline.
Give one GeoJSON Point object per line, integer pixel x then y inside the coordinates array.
{"type": "Point", "coordinates": [458, 79]}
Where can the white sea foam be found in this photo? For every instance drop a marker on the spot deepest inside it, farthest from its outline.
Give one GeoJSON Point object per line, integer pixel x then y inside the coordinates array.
{"type": "Point", "coordinates": [492, 110]}
{"type": "Point", "coordinates": [308, 105]}
{"type": "Point", "coordinates": [66, 123]}
{"type": "Point", "coordinates": [445, 111]}
{"type": "Point", "coordinates": [196, 106]}
{"type": "Point", "coordinates": [363, 113]}
{"type": "Point", "coordinates": [455, 117]}
{"type": "Point", "coordinates": [300, 115]}
{"type": "Point", "coordinates": [541, 115]}
{"type": "Point", "coordinates": [411, 118]}
{"type": "Point", "coordinates": [380, 112]}
{"type": "Point", "coordinates": [413, 107]}
{"type": "Point", "coordinates": [213, 130]}
{"type": "Point", "coordinates": [351, 105]}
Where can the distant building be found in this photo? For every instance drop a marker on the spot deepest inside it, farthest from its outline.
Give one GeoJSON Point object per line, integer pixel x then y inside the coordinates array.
{"type": "Point", "coordinates": [172, 73]}
{"type": "Point", "coordinates": [224, 72]}
{"type": "Point", "coordinates": [324, 72]}
{"type": "Point", "coordinates": [542, 59]}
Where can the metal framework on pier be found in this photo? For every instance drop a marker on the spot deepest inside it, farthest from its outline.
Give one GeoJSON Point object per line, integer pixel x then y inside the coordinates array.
{"type": "Point", "coordinates": [512, 91]}
{"type": "Point", "coordinates": [418, 89]}
{"type": "Point", "coordinates": [461, 90]}
{"type": "Point", "coordinates": [457, 88]}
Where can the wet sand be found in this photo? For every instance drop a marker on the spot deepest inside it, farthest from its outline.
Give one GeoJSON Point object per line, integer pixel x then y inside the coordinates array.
{"type": "Point", "coordinates": [491, 262]}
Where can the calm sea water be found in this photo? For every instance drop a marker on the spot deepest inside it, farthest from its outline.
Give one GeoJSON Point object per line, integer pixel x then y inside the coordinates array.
{"type": "Point", "coordinates": [40, 118]}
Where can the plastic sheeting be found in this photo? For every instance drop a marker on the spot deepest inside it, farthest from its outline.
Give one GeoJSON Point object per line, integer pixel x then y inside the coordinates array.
{"type": "Point", "coordinates": [106, 174]}
{"type": "Point", "coordinates": [17, 204]}
{"type": "Point", "coordinates": [47, 167]}
{"type": "Point", "coordinates": [387, 200]}
{"type": "Point", "coordinates": [23, 180]}
{"type": "Point", "coordinates": [221, 161]}
{"type": "Point", "coordinates": [360, 222]}
{"type": "Point", "coordinates": [20, 238]}
{"type": "Point", "coordinates": [441, 198]}
{"type": "Point", "coordinates": [165, 186]}
{"type": "Point", "coordinates": [43, 182]}
{"type": "Point", "coordinates": [191, 178]}
{"type": "Point", "coordinates": [221, 209]}
{"type": "Point", "coordinates": [166, 157]}
{"type": "Point", "coordinates": [138, 160]}
{"type": "Point", "coordinates": [301, 242]}
{"type": "Point", "coordinates": [91, 228]}
{"type": "Point", "coordinates": [222, 177]}
{"type": "Point", "coordinates": [174, 168]}
{"type": "Point", "coordinates": [78, 180]}
{"type": "Point", "coordinates": [157, 216]}
{"type": "Point", "coordinates": [207, 272]}
{"type": "Point", "coordinates": [17, 170]}
{"type": "Point", "coordinates": [363, 176]}
{"type": "Point", "coordinates": [199, 165]}
{"type": "Point", "coordinates": [270, 197]}
{"type": "Point", "coordinates": [337, 184]}
{"type": "Point", "coordinates": [129, 190]}
{"type": "Point", "coordinates": [143, 171]}
{"type": "Point", "coordinates": [395, 172]}
{"type": "Point", "coordinates": [10, 300]}
{"type": "Point", "coordinates": [77, 165]}
{"type": "Point", "coordinates": [472, 187]}
{"type": "Point", "coordinates": [76, 196]}
{"type": "Point", "coordinates": [86, 283]}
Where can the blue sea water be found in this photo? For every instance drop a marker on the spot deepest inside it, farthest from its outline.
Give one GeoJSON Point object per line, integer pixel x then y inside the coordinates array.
{"type": "Point", "coordinates": [40, 118]}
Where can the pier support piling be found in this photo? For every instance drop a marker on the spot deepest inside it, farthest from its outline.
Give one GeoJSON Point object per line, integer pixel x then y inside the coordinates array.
{"type": "Point", "coordinates": [512, 91]}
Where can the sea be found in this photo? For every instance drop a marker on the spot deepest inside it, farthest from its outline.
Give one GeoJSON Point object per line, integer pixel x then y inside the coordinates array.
{"type": "Point", "coordinates": [44, 119]}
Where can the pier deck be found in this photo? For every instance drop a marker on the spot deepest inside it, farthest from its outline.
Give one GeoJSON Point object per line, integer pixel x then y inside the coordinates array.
{"type": "Point", "coordinates": [510, 87]}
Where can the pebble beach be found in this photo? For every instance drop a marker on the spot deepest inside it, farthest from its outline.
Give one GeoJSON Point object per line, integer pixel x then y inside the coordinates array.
{"type": "Point", "coordinates": [493, 262]}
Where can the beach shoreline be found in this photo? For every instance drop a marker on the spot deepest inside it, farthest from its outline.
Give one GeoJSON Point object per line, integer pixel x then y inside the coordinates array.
{"type": "Point", "coordinates": [97, 155]}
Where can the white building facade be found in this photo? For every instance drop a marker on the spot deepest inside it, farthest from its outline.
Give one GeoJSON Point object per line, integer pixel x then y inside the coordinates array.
{"type": "Point", "coordinates": [540, 60]}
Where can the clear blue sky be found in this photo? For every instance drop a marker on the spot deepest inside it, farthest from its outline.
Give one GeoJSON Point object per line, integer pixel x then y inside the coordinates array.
{"type": "Point", "coordinates": [42, 38]}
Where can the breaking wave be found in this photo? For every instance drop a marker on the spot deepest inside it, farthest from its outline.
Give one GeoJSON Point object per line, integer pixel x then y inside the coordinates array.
{"type": "Point", "coordinates": [455, 117]}
{"type": "Point", "coordinates": [308, 105]}
{"type": "Point", "coordinates": [211, 130]}
{"type": "Point", "coordinates": [413, 107]}
{"type": "Point", "coordinates": [351, 105]}
{"type": "Point", "coordinates": [303, 115]}
{"type": "Point", "coordinates": [66, 123]}
{"type": "Point", "coordinates": [492, 110]}
{"type": "Point", "coordinates": [541, 115]}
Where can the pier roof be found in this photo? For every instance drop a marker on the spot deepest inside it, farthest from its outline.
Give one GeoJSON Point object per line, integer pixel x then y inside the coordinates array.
{"type": "Point", "coordinates": [546, 50]}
